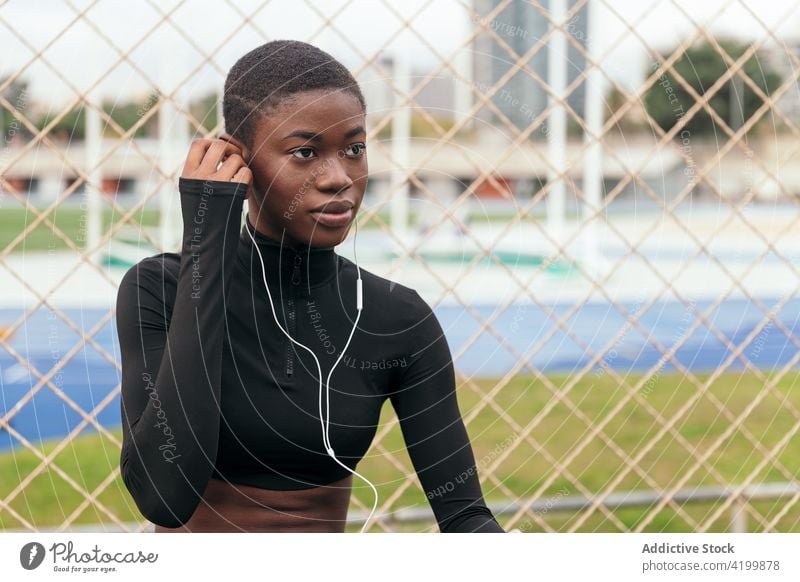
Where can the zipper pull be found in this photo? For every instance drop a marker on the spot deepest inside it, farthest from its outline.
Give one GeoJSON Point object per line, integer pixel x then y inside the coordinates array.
{"type": "Point", "coordinates": [296, 273]}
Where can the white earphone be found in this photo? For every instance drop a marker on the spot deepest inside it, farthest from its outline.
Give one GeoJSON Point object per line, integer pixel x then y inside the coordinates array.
{"type": "Point", "coordinates": [359, 307]}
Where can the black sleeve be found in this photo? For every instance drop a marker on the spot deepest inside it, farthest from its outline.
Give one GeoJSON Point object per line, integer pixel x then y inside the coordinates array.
{"type": "Point", "coordinates": [170, 397]}
{"type": "Point", "coordinates": [433, 430]}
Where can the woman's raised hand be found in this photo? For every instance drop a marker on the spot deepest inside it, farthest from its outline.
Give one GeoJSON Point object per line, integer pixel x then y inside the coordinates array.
{"type": "Point", "coordinates": [216, 159]}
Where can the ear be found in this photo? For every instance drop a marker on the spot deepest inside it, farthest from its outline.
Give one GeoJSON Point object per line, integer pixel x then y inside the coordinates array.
{"type": "Point", "coordinates": [229, 138]}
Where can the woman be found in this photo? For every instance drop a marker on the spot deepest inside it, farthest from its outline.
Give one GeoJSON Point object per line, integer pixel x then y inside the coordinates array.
{"type": "Point", "coordinates": [221, 412]}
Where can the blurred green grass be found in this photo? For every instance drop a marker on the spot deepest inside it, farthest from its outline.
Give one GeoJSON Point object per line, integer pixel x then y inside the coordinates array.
{"type": "Point", "coordinates": [48, 499]}
{"type": "Point", "coordinates": [71, 221]}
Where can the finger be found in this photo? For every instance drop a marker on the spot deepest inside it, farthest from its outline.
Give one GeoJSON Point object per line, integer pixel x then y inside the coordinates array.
{"type": "Point", "coordinates": [218, 150]}
{"type": "Point", "coordinates": [218, 153]}
{"type": "Point", "coordinates": [244, 175]}
{"type": "Point", "coordinates": [229, 167]}
{"type": "Point", "coordinates": [197, 151]}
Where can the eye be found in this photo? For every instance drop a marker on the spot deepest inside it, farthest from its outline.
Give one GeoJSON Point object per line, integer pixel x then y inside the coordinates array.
{"type": "Point", "coordinates": [360, 147]}
{"type": "Point", "coordinates": [302, 150]}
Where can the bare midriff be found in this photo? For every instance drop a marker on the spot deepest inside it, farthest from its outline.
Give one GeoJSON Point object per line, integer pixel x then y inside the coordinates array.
{"type": "Point", "coordinates": [231, 507]}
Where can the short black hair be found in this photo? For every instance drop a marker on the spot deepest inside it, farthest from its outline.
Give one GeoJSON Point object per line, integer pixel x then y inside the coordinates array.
{"type": "Point", "coordinates": [272, 73]}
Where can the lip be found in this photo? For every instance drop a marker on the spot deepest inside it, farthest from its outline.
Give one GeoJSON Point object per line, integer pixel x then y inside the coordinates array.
{"type": "Point", "coordinates": [334, 207]}
{"type": "Point", "coordinates": [333, 219]}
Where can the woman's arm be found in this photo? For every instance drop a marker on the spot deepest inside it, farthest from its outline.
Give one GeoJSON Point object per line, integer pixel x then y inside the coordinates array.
{"type": "Point", "coordinates": [171, 363]}
{"type": "Point", "coordinates": [434, 433]}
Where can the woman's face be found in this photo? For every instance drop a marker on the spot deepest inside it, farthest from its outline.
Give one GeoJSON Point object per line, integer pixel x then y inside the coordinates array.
{"type": "Point", "coordinates": [309, 154]}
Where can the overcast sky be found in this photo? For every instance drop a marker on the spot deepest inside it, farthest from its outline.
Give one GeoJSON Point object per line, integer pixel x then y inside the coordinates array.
{"type": "Point", "coordinates": [80, 54]}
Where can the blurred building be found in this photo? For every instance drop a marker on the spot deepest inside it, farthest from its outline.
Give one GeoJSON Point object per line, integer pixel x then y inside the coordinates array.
{"type": "Point", "coordinates": [784, 59]}
{"type": "Point", "coordinates": [436, 97]}
{"type": "Point", "coordinates": [521, 25]}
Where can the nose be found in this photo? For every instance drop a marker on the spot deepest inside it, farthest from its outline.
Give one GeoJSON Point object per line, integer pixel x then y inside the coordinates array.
{"type": "Point", "coordinates": [333, 176]}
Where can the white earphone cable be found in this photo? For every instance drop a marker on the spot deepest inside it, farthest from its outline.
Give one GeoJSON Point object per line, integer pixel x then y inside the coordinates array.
{"type": "Point", "coordinates": [359, 307]}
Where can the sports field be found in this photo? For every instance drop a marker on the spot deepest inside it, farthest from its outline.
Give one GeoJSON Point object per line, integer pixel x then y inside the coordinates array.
{"type": "Point", "coordinates": [723, 434]}
{"type": "Point", "coordinates": [732, 458]}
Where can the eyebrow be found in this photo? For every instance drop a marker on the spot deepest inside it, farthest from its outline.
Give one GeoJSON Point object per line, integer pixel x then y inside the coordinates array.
{"type": "Point", "coordinates": [311, 136]}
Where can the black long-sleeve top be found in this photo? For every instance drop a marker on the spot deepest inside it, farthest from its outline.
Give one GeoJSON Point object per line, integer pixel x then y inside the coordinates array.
{"type": "Point", "coordinates": [211, 387]}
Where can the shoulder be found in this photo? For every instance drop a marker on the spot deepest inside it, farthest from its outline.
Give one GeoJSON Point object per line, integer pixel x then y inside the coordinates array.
{"type": "Point", "coordinates": [391, 296]}
{"type": "Point", "coordinates": [155, 276]}
{"type": "Point", "coordinates": [396, 307]}
{"type": "Point", "coordinates": [160, 266]}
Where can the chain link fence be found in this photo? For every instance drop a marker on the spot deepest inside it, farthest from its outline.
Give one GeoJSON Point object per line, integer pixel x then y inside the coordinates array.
{"type": "Point", "coordinates": [623, 243]}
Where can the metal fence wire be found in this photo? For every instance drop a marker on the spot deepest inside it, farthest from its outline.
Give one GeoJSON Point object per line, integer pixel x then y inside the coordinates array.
{"type": "Point", "coordinates": [521, 125]}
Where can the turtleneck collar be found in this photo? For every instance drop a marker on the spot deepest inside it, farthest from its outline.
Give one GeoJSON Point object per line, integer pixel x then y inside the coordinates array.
{"type": "Point", "coordinates": [301, 268]}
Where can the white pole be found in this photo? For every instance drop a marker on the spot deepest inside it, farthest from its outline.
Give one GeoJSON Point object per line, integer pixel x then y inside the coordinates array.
{"type": "Point", "coordinates": [93, 194]}
{"type": "Point", "coordinates": [462, 63]}
{"type": "Point", "coordinates": [401, 138]}
{"type": "Point", "coordinates": [173, 138]}
{"type": "Point", "coordinates": [593, 164]}
{"type": "Point", "coordinates": [557, 134]}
